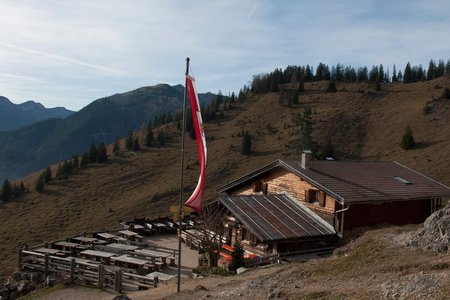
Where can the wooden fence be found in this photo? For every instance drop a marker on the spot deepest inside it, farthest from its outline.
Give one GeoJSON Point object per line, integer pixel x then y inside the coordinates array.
{"type": "Point", "coordinates": [81, 272]}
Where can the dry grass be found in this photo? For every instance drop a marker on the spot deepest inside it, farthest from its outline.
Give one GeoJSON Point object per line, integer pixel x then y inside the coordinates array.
{"type": "Point", "coordinates": [362, 125]}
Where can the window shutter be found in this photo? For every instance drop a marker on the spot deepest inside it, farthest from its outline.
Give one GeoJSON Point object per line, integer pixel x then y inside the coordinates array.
{"type": "Point", "coordinates": [322, 197]}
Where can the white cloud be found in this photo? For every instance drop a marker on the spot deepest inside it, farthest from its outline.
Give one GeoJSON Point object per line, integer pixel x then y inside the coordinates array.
{"type": "Point", "coordinates": [83, 50]}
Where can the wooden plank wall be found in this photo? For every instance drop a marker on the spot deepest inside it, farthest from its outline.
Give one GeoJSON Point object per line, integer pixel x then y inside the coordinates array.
{"type": "Point", "coordinates": [280, 181]}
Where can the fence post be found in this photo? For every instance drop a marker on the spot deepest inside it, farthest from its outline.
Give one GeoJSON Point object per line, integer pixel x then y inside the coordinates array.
{"type": "Point", "coordinates": [46, 264]}
{"type": "Point", "coordinates": [101, 276]}
{"type": "Point", "coordinates": [155, 281]}
{"type": "Point", "coordinates": [72, 270]}
{"type": "Point", "coordinates": [20, 259]}
{"type": "Point", "coordinates": [118, 281]}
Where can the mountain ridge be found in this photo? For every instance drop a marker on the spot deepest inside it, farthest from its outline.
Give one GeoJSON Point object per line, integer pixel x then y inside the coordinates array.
{"type": "Point", "coordinates": [14, 116]}
{"type": "Point", "coordinates": [35, 146]}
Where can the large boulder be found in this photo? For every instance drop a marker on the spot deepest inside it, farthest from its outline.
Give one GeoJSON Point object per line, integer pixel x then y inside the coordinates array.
{"type": "Point", "coordinates": [435, 233]}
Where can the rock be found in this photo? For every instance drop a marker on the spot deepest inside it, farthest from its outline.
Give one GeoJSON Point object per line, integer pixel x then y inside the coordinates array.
{"type": "Point", "coordinates": [241, 270]}
{"type": "Point", "coordinates": [4, 293]}
{"type": "Point", "coordinates": [25, 286]}
{"type": "Point", "coordinates": [14, 295]}
{"type": "Point", "coordinates": [200, 288]}
{"type": "Point", "coordinates": [11, 284]}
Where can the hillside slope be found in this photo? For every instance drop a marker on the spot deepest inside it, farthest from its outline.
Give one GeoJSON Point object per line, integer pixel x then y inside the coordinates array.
{"type": "Point", "coordinates": [14, 116]}
{"type": "Point", "coordinates": [362, 125]}
{"type": "Point", "coordinates": [34, 147]}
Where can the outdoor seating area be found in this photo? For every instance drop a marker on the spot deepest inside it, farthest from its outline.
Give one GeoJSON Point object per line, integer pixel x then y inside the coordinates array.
{"type": "Point", "coordinates": [113, 251]}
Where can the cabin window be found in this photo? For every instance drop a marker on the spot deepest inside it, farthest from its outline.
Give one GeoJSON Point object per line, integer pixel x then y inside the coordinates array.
{"type": "Point", "coordinates": [322, 198]}
{"type": "Point", "coordinates": [315, 196]}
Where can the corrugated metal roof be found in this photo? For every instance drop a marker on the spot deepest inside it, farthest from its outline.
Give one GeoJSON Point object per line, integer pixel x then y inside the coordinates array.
{"type": "Point", "coordinates": [276, 217]}
{"type": "Point", "coordinates": [358, 181]}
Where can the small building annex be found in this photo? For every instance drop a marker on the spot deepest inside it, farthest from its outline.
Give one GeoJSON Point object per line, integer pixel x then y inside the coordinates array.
{"type": "Point", "coordinates": [287, 206]}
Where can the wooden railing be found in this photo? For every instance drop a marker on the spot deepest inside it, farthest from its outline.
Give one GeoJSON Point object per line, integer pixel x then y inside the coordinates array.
{"type": "Point", "coordinates": [263, 260]}
{"type": "Point", "coordinates": [85, 273]}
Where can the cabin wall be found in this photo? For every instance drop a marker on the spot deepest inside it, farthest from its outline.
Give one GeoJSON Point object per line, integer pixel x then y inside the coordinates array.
{"type": "Point", "coordinates": [279, 181]}
{"type": "Point", "coordinates": [396, 213]}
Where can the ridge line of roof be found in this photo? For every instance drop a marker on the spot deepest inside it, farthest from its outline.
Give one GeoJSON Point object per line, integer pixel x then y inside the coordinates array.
{"type": "Point", "coordinates": [429, 178]}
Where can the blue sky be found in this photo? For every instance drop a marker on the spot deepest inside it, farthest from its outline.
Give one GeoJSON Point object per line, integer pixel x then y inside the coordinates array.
{"type": "Point", "coordinates": [69, 53]}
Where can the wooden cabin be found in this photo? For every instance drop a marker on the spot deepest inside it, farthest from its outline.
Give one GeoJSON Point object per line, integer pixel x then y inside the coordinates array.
{"type": "Point", "coordinates": [345, 194]}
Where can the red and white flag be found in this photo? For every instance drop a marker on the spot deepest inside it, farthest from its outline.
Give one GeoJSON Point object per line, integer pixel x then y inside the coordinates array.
{"type": "Point", "coordinates": [195, 201]}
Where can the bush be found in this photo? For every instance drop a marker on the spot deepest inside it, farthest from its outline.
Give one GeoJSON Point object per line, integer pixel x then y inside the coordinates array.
{"type": "Point", "coordinates": [407, 141]}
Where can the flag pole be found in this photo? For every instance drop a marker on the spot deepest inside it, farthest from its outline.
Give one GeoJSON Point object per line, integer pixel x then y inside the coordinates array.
{"type": "Point", "coordinates": [180, 212]}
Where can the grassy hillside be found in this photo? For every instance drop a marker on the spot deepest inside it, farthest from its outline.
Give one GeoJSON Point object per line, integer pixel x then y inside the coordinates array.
{"type": "Point", "coordinates": [363, 125]}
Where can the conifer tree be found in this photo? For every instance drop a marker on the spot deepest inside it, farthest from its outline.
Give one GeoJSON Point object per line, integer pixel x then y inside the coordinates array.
{"type": "Point", "coordinates": [116, 147]}
{"type": "Point", "coordinates": [149, 134]}
{"type": "Point", "coordinates": [136, 146]}
{"type": "Point", "coordinates": [302, 136]}
{"type": "Point", "coordinates": [301, 84]}
{"type": "Point", "coordinates": [75, 162]}
{"type": "Point", "coordinates": [47, 175]}
{"type": "Point", "coordinates": [407, 141]}
{"type": "Point", "coordinates": [7, 190]}
{"type": "Point", "coordinates": [445, 93]}
{"type": "Point", "coordinates": [129, 141]}
{"type": "Point", "coordinates": [102, 156]}
{"type": "Point", "coordinates": [407, 75]}
{"type": "Point", "coordinates": [328, 149]}
{"type": "Point", "coordinates": [331, 86]}
{"type": "Point", "coordinates": [394, 74]}
{"type": "Point", "coordinates": [246, 144]}
{"type": "Point", "coordinates": [84, 159]}
{"type": "Point", "coordinates": [93, 154]}
{"type": "Point", "coordinates": [377, 84]}
{"type": "Point", "coordinates": [161, 137]}
{"type": "Point", "coordinates": [39, 186]}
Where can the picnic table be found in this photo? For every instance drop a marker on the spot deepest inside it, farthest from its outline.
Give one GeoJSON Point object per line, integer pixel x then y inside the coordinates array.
{"type": "Point", "coordinates": [98, 255]}
{"type": "Point", "coordinates": [156, 254]}
{"type": "Point", "coordinates": [140, 265]}
{"type": "Point", "coordinates": [161, 276]}
{"type": "Point", "coordinates": [121, 247]}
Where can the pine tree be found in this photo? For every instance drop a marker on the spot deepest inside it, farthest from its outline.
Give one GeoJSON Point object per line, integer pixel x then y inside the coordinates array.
{"type": "Point", "coordinates": [301, 84]}
{"type": "Point", "coordinates": [431, 73]}
{"type": "Point", "coordinates": [39, 186]}
{"type": "Point", "coordinates": [116, 148]}
{"type": "Point", "coordinates": [129, 141]}
{"type": "Point", "coordinates": [302, 136]}
{"type": "Point", "coordinates": [445, 93]}
{"type": "Point", "coordinates": [407, 141]}
{"type": "Point", "coordinates": [149, 134]}
{"type": "Point", "coordinates": [7, 191]}
{"type": "Point", "coordinates": [102, 156]}
{"type": "Point", "coordinates": [93, 154]}
{"type": "Point", "coordinates": [84, 159]}
{"type": "Point", "coordinates": [246, 144]}
{"type": "Point", "coordinates": [75, 162]}
{"type": "Point", "coordinates": [394, 74]}
{"type": "Point", "coordinates": [161, 137]}
{"type": "Point", "coordinates": [331, 86]}
{"type": "Point", "coordinates": [136, 146]}
{"type": "Point", "coordinates": [377, 84]}
{"type": "Point", "coordinates": [407, 75]}
{"type": "Point", "coordinates": [47, 175]}
{"type": "Point", "coordinates": [328, 149]}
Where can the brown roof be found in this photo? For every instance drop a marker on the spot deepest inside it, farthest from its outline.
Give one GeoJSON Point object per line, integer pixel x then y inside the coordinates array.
{"type": "Point", "coordinates": [359, 181]}
{"type": "Point", "coordinates": [276, 217]}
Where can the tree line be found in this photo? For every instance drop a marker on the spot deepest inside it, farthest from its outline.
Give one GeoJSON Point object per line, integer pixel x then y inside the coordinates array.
{"type": "Point", "coordinates": [269, 82]}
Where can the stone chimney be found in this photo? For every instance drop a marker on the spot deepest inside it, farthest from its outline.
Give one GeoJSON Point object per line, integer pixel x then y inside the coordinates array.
{"type": "Point", "coordinates": [306, 157]}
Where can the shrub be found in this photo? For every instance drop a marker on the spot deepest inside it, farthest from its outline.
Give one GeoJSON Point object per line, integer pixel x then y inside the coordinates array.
{"type": "Point", "coordinates": [407, 141]}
